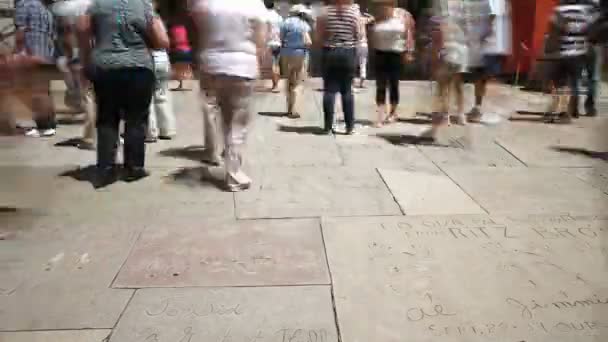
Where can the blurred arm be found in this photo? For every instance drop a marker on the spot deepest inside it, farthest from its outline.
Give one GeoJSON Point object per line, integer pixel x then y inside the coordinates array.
{"type": "Point", "coordinates": [84, 34]}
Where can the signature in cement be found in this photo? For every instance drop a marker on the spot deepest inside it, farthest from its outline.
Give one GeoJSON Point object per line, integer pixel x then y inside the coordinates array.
{"type": "Point", "coordinates": [527, 309]}
{"type": "Point", "coordinates": [417, 314]}
{"type": "Point", "coordinates": [169, 308]}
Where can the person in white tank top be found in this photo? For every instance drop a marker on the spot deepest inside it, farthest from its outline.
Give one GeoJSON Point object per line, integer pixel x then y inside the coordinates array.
{"type": "Point", "coordinates": [393, 46]}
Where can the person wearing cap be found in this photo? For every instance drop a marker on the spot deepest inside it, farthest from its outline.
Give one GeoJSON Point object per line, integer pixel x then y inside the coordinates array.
{"type": "Point", "coordinates": [295, 42]}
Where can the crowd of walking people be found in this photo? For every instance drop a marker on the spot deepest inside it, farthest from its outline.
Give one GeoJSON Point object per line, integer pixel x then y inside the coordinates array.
{"type": "Point", "coordinates": [117, 58]}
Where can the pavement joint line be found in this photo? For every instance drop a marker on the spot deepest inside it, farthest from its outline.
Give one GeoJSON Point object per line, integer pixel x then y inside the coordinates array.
{"type": "Point", "coordinates": [315, 216]}
{"type": "Point", "coordinates": [497, 142]}
{"type": "Point", "coordinates": [390, 192]}
{"type": "Point", "coordinates": [312, 217]}
{"type": "Point", "coordinates": [55, 330]}
{"type": "Point", "coordinates": [121, 314]}
{"type": "Point", "coordinates": [124, 262]}
{"type": "Point", "coordinates": [135, 289]}
{"type": "Point", "coordinates": [332, 291]}
{"type": "Point", "coordinates": [453, 181]}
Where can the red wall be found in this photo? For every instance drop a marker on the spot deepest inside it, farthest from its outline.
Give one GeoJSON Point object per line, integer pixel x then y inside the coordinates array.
{"type": "Point", "coordinates": [530, 22]}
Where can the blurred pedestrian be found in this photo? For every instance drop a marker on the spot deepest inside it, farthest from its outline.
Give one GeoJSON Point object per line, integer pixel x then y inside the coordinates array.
{"type": "Point", "coordinates": [115, 38]}
{"type": "Point", "coordinates": [180, 51]}
{"type": "Point", "coordinates": [232, 37]}
{"type": "Point", "coordinates": [338, 34]}
{"type": "Point", "coordinates": [590, 65]}
{"type": "Point", "coordinates": [463, 27]}
{"type": "Point", "coordinates": [274, 21]}
{"type": "Point", "coordinates": [79, 93]}
{"type": "Point", "coordinates": [35, 55]}
{"type": "Point", "coordinates": [393, 41]}
{"type": "Point", "coordinates": [362, 46]}
{"type": "Point", "coordinates": [569, 24]}
{"type": "Point", "coordinates": [496, 46]}
{"type": "Point", "coordinates": [161, 123]}
{"type": "Point", "coordinates": [295, 41]}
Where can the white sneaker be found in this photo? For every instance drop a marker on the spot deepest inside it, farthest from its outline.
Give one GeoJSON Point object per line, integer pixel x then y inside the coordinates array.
{"type": "Point", "coordinates": [32, 133]}
{"type": "Point", "coordinates": [237, 182]}
{"type": "Point", "coordinates": [48, 132]}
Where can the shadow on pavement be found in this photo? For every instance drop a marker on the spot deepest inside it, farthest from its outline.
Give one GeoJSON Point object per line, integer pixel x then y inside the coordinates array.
{"type": "Point", "coordinates": [89, 174]}
{"type": "Point", "coordinates": [72, 142]}
{"type": "Point", "coordinates": [582, 152]}
{"type": "Point", "coordinates": [533, 120]}
{"type": "Point", "coordinates": [415, 121]}
{"type": "Point", "coordinates": [362, 122]}
{"type": "Point", "coordinates": [527, 112]}
{"type": "Point", "coordinates": [70, 122]}
{"type": "Point", "coordinates": [199, 176]}
{"type": "Point", "coordinates": [273, 114]}
{"type": "Point", "coordinates": [406, 139]}
{"type": "Point", "coordinates": [313, 130]}
{"type": "Point", "coordinates": [193, 152]}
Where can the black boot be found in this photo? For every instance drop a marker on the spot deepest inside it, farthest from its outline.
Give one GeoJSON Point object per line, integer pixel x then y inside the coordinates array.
{"type": "Point", "coordinates": [105, 176]}
{"type": "Point", "coordinates": [133, 174]}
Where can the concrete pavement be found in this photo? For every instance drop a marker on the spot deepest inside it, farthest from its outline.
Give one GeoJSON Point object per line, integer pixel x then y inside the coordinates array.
{"type": "Point", "coordinates": [496, 233]}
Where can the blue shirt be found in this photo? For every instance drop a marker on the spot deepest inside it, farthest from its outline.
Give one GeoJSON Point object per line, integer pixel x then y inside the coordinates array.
{"type": "Point", "coordinates": [36, 20]}
{"type": "Point", "coordinates": [292, 37]}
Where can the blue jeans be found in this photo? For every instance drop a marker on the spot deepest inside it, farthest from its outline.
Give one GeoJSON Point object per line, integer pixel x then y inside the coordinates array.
{"type": "Point", "coordinates": [339, 65]}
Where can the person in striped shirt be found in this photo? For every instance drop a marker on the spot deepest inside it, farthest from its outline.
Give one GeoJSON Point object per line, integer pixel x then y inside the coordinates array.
{"type": "Point", "coordinates": [570, 22]}
{"type": "Point", "coordinates": [338, 35]}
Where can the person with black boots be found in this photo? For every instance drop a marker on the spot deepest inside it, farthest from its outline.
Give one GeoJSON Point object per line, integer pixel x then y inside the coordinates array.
{"type": "Point", "coordinates": [115, 39]}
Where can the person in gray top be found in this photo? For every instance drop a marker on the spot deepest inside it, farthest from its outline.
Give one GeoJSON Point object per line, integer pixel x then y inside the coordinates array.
{"type": "Point", "coordinates": [116, 37]}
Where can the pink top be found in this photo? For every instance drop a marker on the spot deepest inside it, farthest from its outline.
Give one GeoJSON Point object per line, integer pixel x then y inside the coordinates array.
{"type": "Point", "coordinates": [179, 38]}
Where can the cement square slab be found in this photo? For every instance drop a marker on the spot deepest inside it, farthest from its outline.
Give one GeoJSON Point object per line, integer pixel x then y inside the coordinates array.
{"type": "Point", "coordinates": [292, 149]}
{"type": "Point", "coordinates": [422, 193]}
{"type": "Point", "coordinates": [469, 278]}
{"type": "Point", "coordinates": [315, 191]}
{"type": "Point", "coordinates": [67, 190]}
{"type": "Point", "coordinates": [371, 151]}
{"type": "Point", "coordinates": [528, 190]}
{"type": "Point", "coordinates": [596, 176]}
{"type": "Point", "coordinates": [56, 336]}
{"type": "Point", "coordinates": [261, 314]}
{"type": "Point", "coordinates": [236, 253]}
{"type": "Point", "coordinates": [555, 145]}
{"type": "Point", "coordinates": [24, 151]}
{"type": "Point", "coordinates": [481, 153]}
{"type": "Point", "coordinates": [55, 273]}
